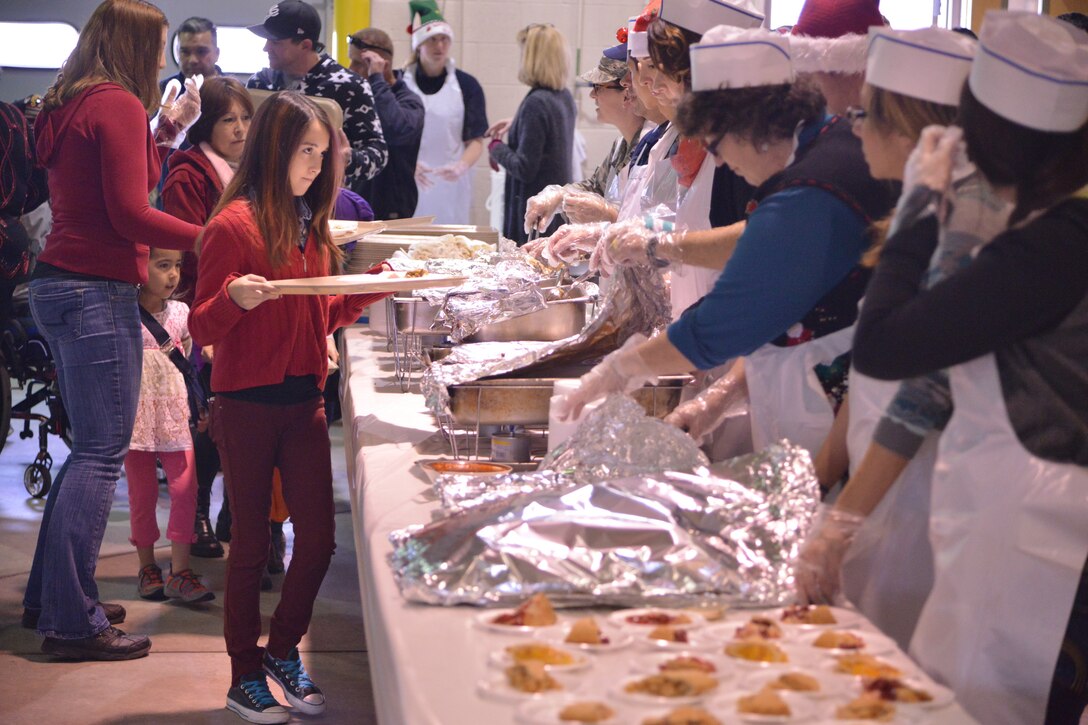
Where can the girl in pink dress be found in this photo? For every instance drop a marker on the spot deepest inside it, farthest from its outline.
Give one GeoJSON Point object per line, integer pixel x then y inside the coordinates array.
{"type": "Point", "coordinates": [162, 432]}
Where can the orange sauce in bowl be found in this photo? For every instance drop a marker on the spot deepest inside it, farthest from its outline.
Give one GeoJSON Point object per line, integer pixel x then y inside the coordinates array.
{"type": "Point", "coordinates": [467, 467]}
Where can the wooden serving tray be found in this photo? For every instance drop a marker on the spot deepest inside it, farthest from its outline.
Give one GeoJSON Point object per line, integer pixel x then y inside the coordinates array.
{"type": "Point", "coordinates": [363, 284]}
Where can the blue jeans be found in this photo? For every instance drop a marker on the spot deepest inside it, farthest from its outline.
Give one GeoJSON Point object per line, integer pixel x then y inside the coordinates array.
{"type": "Point", "coordinates": [93, 331]}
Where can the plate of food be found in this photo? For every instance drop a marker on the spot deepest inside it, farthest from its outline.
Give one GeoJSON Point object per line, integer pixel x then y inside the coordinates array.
{"type": "Point", "coordinates": [681, 687]}
{"type": "Point", "coordinates": [816, 616]}
{"type": "Point", "coordinates": [671, 637]}
{"type": "Point", "coordinates": [862, 664]}
{"type": "Point", "coordinates": [766, 706]}
{"type": "Point", "coordinates": [763, 653]}
{"type": "Point", "coordinates": [530, 617]}
{"type": "Point", "coordinates": [554, 659]}
{"type": "Point", "coordinates": [434, 469]}
{"type": "Point", "coordinates": [570, 709]}
{"type": "Point", "coordinates": [842, 641]}
{"type": "Point", "coordinates": [741, 625]}
{"type": "Point", "coordinates": [910, 693]}
{"type": "Point", "coordinates": [344, 231]}
{"type": "Point", "coordinates": [814, 684]}
{"type": "Point", "coordinates": [586, 634]}
{"type": "Point", "coordinates": [362, 284]}
{"type": "Point", "coordinates": [655, 617]}
{"type": "Point", "coordinates": [523, 681]}
{"type": "Point", "coordinates": [683, 660]}
{"type": "Point", "coordinates": [866, 707]}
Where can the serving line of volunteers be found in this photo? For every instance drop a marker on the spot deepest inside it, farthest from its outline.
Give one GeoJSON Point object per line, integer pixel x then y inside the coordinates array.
{"type": "Point", "coordinates": [963, 527]}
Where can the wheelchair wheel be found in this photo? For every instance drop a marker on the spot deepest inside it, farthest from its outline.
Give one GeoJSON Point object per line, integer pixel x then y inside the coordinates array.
{"type": "Point", "coordinates": [5, 403]}
{"type": "Point", "coordinates": [37, 480]}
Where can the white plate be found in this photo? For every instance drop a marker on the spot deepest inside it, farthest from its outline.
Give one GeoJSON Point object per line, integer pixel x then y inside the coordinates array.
{"type": "Point", "coordinates": [802, 710]}
{"type": "Point", "coordinates": [726, 630]}
{"type": "Point", "coordinates": [502, 658]}
{"type": "Point", "coordinates": [845, 619]}
{"type": "Point", "coordinates": [620, 618]}
{"type": "Point", "coordinates": [498, 688]}
{"type": "Point", "coordinates": [545, 710]}
{"type": "Point", "coordinates": [641, 698]}
{"type": "Point", "coordinates": [942, 696]}
{"type": "Point", "coordinates": [829, 664]}
{"type": "Point", "coordinates": [798, 657]}
{"type": "Point", "coordinates": [830, 685]}
{"type": "Point", "coordinates": [617, 638]}
{"type": "Point", "coordinates": [876, 644]}
{"type": "Point", "coordinates": [650, 664]}
{"type": "Point", "coordinates": [484, 620]}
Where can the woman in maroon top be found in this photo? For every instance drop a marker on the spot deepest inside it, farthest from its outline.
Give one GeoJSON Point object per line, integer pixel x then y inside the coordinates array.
{"type": "Point", "coordinates": [270, 367]}
{"type": "Point", "coordinates": [94, 139]}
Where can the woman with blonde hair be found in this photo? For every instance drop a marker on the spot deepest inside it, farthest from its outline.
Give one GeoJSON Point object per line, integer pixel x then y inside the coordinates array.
{"type": "Point", "coordinates": [540, 137]}
{"type": "Point", "coordinates": [95, 141]}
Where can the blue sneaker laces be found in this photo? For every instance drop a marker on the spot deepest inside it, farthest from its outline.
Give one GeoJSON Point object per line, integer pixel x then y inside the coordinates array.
{"type": "Point", "coordinates": [257, 691]}
{"type": "Point", "coordinates": [296, 673]}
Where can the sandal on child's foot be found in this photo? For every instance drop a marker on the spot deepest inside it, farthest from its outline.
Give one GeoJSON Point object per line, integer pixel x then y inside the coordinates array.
{"type": "Point", "coordinates": [186, 586]}
{"type": "Point", "coordinates": [151, 584]}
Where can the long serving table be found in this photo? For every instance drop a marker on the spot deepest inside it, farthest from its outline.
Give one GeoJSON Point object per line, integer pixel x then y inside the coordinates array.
{"type": "Point", "coordinates": [425, 661]}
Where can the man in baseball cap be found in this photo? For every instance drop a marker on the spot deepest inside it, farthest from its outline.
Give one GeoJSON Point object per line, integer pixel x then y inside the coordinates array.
{"type": "Point", "coordinates": [290, 20]}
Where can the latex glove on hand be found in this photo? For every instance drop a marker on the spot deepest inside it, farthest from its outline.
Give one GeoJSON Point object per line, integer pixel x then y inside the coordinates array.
{"type": "Point", "coordinates": [818, 569]}
{"type": "Point", "coordinates": [930, 163]}
{"type": "Point", "coordinates": [705, 413]}
{"type": "Point", "coordinates": [452, 172]}
{"type": "Point", "coordinates": [540, 209]}
{"type": "Point", "coordinates": [185, 111]}
{"type": "Point", "coordinates": [624, 242]}
{"type": "Point", "coordinates": [572, 241]}
{"type": "Point", "coordinates": [423, 175]}
{"type": "Point", "coordinates": [538, 248]}
{"type": "Point", "coordinates": [583, 207]}
{"type": "Point", "coordinates": [622, 371]}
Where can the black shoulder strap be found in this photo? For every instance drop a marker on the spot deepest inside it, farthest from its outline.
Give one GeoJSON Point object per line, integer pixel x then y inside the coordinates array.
{"type": "Point", "coordinates": [198, 398]}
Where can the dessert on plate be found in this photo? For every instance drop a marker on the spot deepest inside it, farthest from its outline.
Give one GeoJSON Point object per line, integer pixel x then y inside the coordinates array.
{"type": "Point", "coordinates": [895, 690]}
{"type": "Point", "coordinates": [530, 677]}
{"type": "Point", "coordinates": [588, 711]}
{"type": "Point", "coordinates": [645, 618]}
{"type": "Point", "coordinates": [866, 707]}
{"type": "Point", "coordinates": [668, 633]}
{"type": "Point", "coordinates": [839, 640]}
{"type": "Point", "coordinates": [756, 650]}
{"type": "Point", "coordinates": [795, 682]}
{"type": "Point", "coordinates": [536, 612]}
{"type": "Point", "coordinates": [808, 614]}
{"type": "Point", "coordinates": [680, 683]}
{"type": "Point", "coordinates": [687, 662]}
{"type": "Point", "coordinates": [686, 715]}
{"type": "Point", "coordinates": [863, 665]}
{"type": "Point", "coordinates": [539, 653]}
{"type": "Point", "coordinates": [759, 626]}
{"type": "Point", "coordinates": [586, 631]}
{"type": "Point", "coordinates": [764, 702]}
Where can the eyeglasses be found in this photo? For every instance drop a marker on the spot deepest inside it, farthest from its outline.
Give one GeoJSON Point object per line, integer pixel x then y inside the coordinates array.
{"type": "Point", "coordinates": [854, 114]}
{"type": "Point", "coordinates": [712, 145]}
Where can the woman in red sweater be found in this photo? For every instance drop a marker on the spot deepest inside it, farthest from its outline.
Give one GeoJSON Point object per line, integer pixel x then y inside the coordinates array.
{"type": "Point", "coordinates": [96, 144]}
{"type": "Point", "coordinates": [270, 367]}
{"type": "Point", "coordinates": [192, 189]}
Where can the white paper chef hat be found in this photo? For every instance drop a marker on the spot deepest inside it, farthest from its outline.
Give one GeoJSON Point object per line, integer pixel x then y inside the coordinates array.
{"type": "Point", "coordinates": [729, 57]}
{"type": "Point", "coordinates": [699, 16]}
{"type": "Point", "coordinates": [636, 41]}
{"type": "Point", "coordinates": [931, 64]}
{"type": "Point", "coordinates": [1032, 70]}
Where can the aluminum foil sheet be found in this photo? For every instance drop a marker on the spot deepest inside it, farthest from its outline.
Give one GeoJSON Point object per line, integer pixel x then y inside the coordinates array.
{"type": "Point", "coordinates": [637, 301]}
{"type": "Point", "coordinates": [669, 539]}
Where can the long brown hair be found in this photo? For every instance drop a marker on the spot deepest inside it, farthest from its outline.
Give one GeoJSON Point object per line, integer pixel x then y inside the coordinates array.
{"type": "Point", "coordinates": [122, 44]}
{"type": "Point", "coordinates": [262, 176]}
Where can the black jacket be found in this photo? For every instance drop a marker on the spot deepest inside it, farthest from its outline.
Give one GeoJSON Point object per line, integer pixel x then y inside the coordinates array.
{"type": "Point", "coordinates": [393, 193]}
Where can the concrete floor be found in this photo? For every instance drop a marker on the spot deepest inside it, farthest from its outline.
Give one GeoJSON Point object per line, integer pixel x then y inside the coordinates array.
{"type": "Point", "coordinates": [187, 674]}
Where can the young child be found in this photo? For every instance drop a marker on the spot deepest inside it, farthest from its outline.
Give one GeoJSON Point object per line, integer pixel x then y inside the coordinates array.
{"type": "Point", "coordinates": [271, 362]}
{"type": "Point", "coordinates": [162, 432]}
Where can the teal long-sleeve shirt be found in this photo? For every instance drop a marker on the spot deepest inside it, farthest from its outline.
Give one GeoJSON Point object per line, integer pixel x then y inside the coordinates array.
{"type": "Point", "coordinates": [798, 244]}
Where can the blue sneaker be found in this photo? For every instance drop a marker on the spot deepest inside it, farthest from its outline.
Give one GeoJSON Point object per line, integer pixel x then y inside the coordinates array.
{"type": "Point", "coordinates": [252, 701]}
{"type": "Point", "coordinates": [297, 686]}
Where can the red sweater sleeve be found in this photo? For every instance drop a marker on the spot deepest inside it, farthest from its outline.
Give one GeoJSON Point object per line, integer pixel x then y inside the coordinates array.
{"type": "Point", "coordinates": [214, 313]}
{"type": "Point", "coordinates": [125, 185]}
{"type": "Point", "coordinates": [183, 196]}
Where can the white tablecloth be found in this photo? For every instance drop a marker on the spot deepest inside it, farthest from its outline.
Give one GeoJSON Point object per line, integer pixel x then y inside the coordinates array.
{"type": "Point", "coordinates": [425, 661]}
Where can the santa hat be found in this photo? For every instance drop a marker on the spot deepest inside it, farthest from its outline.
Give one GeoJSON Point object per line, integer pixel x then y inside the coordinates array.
{"type": "Point", "coordinates": [846, 54]}
{"type": "Point", "coordinates": [431, 22]}
{"type": "Point", "coordinates": [638, 43]}
{"type": "Point", "coordinates": [836, 18]}
{"type": "Point", "coordinates": [1032, 70]}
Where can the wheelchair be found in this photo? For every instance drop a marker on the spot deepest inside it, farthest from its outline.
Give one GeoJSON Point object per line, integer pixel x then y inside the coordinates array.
{"type": "Point", "coordinates": [27, 362]}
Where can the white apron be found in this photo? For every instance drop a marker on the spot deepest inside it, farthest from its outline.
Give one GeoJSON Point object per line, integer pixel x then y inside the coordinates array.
{"type": "Point", "coordinates": [888, 571]}
{"type": "Point", "coordinates": [785, 397]}
{"type": "Point", "coordinates": [689, 284]}
{"type": "Point", "coordinates": [1010, 536]}
{"type": "Point", "coordinates": [658, 182]}
{"type": "Point", "coordinates": [441, 144]}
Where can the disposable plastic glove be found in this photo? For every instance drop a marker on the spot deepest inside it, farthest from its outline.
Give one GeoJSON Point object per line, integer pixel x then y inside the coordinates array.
{"type": "Point", "coordinates": [629, 232]}
{"type": "Point", "coordinates": [537, 248]}
{"type": "Point", "coordinates": [185, 111]}
{"type": "Point", "coordinates": [818, 569]}
{"type": "Point", "coordinates": [423, 175]}
{"type": "Point", "coordinates": [582, 207]}
{"type": "Point", "coordinates": [622, 371]}
{"type": "Point", "coordinates": [930, 163]}
{"type": "Point", "coordinates": [705, 413]}
{"type": "Point", "coordinates": [452, 172]}
{"type": "Point", "coordinates": [572, 241]}
{"type": "Point", "coordinates": [540, 209]}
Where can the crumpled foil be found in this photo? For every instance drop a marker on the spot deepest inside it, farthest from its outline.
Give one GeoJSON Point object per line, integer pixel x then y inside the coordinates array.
{"type": "Point", "coordinates": [615, 440]}
{"type": "Point", "coordinates": [668, 539]}
{"type": "Point", "coordinates": [636, 302]}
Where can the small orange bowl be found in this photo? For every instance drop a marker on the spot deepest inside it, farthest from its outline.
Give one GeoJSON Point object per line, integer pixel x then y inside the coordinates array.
{"type": "Point", "coordinates": [434, 469]}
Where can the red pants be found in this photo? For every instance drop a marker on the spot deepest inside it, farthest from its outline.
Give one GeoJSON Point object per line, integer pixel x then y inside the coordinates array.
{"type": "Point", "coordinates": [143, 495]}
{"type": "Point", "coordinates": [253, 439]}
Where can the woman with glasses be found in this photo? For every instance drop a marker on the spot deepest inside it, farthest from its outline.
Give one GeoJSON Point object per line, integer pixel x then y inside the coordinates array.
{"type": "Point", "coordinates": [892, 431]}
{"type": "Point", "coordinates": [454, 122]}
{"type": "Point", "coordinates": [789, 292]}
{"type": "Point", "coordinates": [540, 138]}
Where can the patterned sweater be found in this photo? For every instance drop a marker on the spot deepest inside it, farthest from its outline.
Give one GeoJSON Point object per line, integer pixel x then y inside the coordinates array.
{"type": "Point", "coordinates": [329, 79]}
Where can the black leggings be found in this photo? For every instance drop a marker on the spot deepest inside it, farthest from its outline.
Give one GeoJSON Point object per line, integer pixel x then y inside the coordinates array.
{"type": "Point", "coordinates": [1069, 688]}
